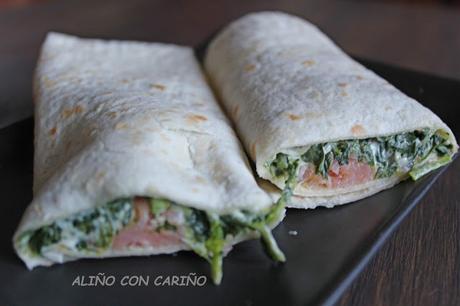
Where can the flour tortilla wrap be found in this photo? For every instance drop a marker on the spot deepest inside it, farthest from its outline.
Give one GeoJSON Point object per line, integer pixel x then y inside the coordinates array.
{"type": "Point", "coordinates": [136, 126]}
{"type": "Point", "coordinates": [288, 89]}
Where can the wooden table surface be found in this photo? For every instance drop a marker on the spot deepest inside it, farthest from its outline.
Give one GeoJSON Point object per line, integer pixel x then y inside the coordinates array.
{"type": "Point", "coordinates": [420, 264]}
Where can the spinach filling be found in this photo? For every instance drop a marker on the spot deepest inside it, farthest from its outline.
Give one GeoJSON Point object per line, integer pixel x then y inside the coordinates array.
{"type": "Point", "coordinates": [90, 231]}
{"type": "Point", "coordinates": [206, 233]}
{"type": "Point", "coordinates": [415, 153]}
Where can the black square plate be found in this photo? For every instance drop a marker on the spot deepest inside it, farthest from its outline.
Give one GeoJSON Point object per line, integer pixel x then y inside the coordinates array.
{"type": "Point", "coordinates": [332, 245]}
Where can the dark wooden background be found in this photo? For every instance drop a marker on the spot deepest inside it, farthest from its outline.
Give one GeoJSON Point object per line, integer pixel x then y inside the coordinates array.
{"type": "Point", "coordinates": [420, 265]}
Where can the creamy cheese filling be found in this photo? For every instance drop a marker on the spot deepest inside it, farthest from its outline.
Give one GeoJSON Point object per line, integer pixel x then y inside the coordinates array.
{"type": "Point", "coordinates": [357, 162]}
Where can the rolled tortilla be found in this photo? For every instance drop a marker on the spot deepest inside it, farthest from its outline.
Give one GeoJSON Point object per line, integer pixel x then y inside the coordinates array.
{"type": "Point", "coordinates": [133, 156]}
{"type": "Point", "coordinates": [306, 111]}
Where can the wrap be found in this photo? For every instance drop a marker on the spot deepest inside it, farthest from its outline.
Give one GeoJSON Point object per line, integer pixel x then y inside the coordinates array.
{"type": "Point", "coordinates": [314, 120]}
{"type": "Point", "coordinates": [133, 156]}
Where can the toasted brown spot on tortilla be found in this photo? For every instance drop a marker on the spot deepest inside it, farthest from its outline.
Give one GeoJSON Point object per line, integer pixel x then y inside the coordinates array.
{"type": "Point", "coordinates": [125, 81]}
{"type": "Point", "coordinates": [66, 113]}
{"type": "Point", "coordinates": [121, 125]}
{"type": "Point", "coordinates": [359, 77]}
{"type": "Point", "coordinates": [38, 208]}
{"type": "Point", "coordinates": [53, 131]}
{"type": "Point", "coordinates": [195, 118]}
{"type": "Point", "coordinates": [100, 176]}
{"type": "Point", "coordinates": [200, 179]}
{"type": "Point", "coordinates": [112, 115]}
{"type": "Point", "coordinates": [236, 111]}
{"type": "Point", "coordinates": [343, 94]}
{"type": "Point", "coordinates": [357, 130]}
{"type": "Point", "coordinates": [308, 63]}
{"type": "Point", "coordinates": [342, 84]}
{"type": "Point", "coordinates": [249, 67]}
{"type": "Point", "coordinates": [294, 117]}
{"type": "Point", "coordinates": [158, 86]}
{"type": "Point", "coordinates": [47, 82]}
{"type": "Point", "coordinates": [195, 190]}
